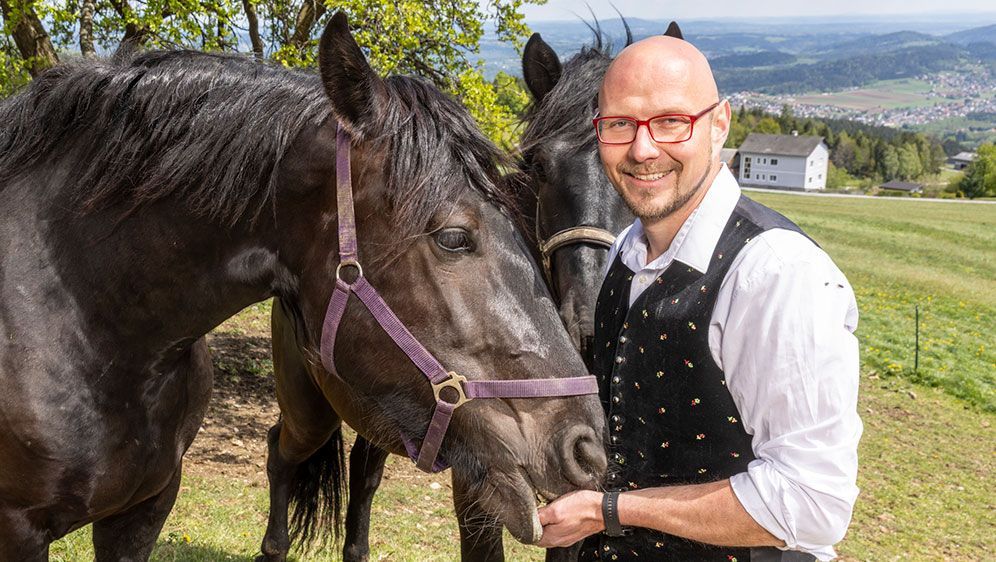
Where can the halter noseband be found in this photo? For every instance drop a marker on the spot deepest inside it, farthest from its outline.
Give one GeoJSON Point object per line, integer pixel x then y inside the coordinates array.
{"type": "Point", "coordinates": [426, 456]}
{"type": "Point", "coordinates": [568, 237]}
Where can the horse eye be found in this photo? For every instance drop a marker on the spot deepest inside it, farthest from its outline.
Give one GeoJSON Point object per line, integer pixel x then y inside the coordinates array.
{"type": "Point", "coordinates": [454, 240]}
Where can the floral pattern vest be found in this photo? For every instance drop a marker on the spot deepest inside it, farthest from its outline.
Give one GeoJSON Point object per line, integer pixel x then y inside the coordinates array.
{"type": "Point", "coordinates": [671, 418]}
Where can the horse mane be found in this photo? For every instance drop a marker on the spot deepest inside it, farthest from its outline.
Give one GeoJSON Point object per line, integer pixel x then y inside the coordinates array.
{"type": "Point", "coordinates": [211, 130]}
{"type": "Point", "coordinates": [565, 113]}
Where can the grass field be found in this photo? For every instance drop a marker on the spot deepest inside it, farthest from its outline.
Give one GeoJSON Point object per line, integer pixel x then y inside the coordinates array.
{"type": "Point", "coordinates": [885, 94]}
{"type": "Point", "coordinates": [927, 454]}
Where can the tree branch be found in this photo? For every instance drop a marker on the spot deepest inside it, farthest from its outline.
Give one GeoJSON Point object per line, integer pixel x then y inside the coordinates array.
{"type": "Point", "coordinates": [29, 35]}
{"type": "Point", "coordinates": [86, 29]}
{"type": "Point", "coordinates": [257, 43]}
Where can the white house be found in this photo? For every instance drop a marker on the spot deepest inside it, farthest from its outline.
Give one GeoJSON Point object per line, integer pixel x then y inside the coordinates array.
{"type": "Point", "coordinates": [784, 162]}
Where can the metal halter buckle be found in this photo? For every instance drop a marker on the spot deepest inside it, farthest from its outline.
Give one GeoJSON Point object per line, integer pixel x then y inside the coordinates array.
{"type": "Point", "coordinates": [455, 382]}
{"type": "Point", "coordinates": [348, 263]}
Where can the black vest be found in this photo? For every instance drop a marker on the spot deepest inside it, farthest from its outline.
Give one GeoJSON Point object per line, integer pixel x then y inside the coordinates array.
{"type": "Point", "coordinates": [671, 419]}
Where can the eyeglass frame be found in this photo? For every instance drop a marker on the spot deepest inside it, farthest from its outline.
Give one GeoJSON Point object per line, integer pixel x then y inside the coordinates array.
{"type": "Point", "coordinates": [646, 122]}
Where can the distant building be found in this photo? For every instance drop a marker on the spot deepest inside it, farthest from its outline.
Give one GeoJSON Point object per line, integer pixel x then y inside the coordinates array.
{"type": "Point", "coordinates": [902, 186]}
{"type": "Point", "coordinates": [784, 162]}
{"type": "Point", "coordinates": [961, 160]}
{"type": "Point", "coordinates": [730, 157]}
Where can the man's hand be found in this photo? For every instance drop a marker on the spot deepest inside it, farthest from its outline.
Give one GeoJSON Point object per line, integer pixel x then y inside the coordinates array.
{"type": "Point", "coordinates": [570, 518]}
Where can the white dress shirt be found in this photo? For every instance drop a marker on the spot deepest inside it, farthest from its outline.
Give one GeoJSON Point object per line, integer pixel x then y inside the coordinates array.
{"type": "Point", "coordinates": [782, 332]}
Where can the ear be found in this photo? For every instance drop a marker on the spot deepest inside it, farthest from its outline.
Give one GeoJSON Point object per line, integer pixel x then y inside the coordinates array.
{"type": "Point", "coordinates": [352, 86]}
{"type": "Point", "coordinates": [540, 67]}
{"type": "Point", "coordinates": [674, 31]}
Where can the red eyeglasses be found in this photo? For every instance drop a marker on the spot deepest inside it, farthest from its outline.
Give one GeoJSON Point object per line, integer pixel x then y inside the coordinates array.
{"type": "Point", "coordinates": [666, 128]}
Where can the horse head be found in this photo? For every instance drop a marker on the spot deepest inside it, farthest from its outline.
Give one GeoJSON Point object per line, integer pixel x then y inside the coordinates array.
{"type": "Point", "coordinates": [436, 238]}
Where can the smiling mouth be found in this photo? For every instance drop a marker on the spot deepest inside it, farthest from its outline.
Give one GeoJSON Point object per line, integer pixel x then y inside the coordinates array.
{"type": "Point", "coordinates": [649, 177]}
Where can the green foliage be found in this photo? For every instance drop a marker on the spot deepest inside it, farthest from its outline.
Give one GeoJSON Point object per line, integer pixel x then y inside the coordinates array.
{"type": "Point", "coordinates": [860, 152]}
{"type": "Point", "coordinates": [838, 178]}
{"type": "Point", "coordinates": [436, 39]}
{"type": "Point", "coordinates": [980, 176]}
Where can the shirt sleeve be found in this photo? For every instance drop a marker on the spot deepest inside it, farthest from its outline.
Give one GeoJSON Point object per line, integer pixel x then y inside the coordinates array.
{"type": "Point", "coordinates": [782, 331]}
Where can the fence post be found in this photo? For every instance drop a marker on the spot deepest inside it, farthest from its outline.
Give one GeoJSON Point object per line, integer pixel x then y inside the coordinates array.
{"type": "Point", "coordinates": [916, 356]}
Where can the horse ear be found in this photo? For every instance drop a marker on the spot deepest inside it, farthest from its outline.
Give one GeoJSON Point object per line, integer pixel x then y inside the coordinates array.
{"type": "Point", "coordinates": [674, 31]}
{"type": "Point", "coordinates": [352, 86]}
{"type": "Point", "coordinates": [540, 67]}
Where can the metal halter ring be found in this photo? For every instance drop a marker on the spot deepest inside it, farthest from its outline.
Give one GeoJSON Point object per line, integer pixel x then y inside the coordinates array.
{"type": "Point", "coordinates": [348, 263]}
{"type": "Point", "coordinates": [455, 382]}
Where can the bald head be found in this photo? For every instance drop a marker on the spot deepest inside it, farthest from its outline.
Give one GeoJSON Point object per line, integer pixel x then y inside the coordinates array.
{"type": "Point", "coordinates": [671, 68]}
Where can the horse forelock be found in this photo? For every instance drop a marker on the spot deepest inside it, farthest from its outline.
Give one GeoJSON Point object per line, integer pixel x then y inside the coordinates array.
{"type": "Point", "coordinates": [437, 154]}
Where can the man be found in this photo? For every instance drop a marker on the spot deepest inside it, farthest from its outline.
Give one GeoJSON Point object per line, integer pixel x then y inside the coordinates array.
{"type": "Point", "coordinates": [724, 342]}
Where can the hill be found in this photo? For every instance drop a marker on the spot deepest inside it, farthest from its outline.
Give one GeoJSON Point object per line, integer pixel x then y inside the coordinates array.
{"type": "Point", "coordinates": [985, 34]}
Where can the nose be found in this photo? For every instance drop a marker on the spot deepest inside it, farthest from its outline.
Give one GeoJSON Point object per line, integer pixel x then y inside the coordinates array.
{"type": "Point", "coordinates": [582, 456]}
{"type": "Point", "coordinates": [643, 146]}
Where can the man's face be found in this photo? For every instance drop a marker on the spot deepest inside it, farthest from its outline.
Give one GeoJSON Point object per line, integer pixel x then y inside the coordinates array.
{"type": "Point", "coordinates": [656, 179]}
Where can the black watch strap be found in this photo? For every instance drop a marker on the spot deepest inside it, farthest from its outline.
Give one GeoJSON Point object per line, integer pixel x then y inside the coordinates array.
{"type": "Point", "coordinates": [610, 514]}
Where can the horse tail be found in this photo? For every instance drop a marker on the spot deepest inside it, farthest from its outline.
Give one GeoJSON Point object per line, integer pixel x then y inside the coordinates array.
{"type": "Point", "coordinates": [317, 494]}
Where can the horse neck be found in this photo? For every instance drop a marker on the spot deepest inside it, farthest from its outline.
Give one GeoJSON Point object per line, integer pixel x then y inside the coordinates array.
{"type": "Point", "coordinates": [161, 275]}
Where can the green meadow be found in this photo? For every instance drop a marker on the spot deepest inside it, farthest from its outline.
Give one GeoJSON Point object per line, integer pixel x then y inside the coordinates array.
{"type": "Point", "coordinates": [927, 454]}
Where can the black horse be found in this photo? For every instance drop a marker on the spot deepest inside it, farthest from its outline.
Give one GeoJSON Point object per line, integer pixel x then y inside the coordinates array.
{"type": "Point", "coordinates": [145, 200]}
{"type": "Point", "coordinates": [562, 190]}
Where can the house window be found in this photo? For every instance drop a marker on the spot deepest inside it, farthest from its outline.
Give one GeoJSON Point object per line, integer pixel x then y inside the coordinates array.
{"type": "Point", "coordinates": [746, 176]}
{"type": "Point", "coordinates": [820, 176]}
{"type": "Point", "coordinates": [764, 160]}
{"type": "Point", "coordinates": [774, 161]}
{"type": "Point", "coordinates": [746, 159]}
{"type": "Point", "coordinates": [774, 178]}
{"type": "Point", "coordinates": [810, 179]}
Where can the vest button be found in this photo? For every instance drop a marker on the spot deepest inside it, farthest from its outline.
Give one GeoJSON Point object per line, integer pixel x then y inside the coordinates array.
{"type": "Point", "coordinates": [615, 399]}
{"type": "Point", "coordinates": [619, 359]}
{"type": "Point", "coordinates": [616, 419]}
{"type": "Point", "coordinates": [615, 379]}
{"type": "Point", "coordinates": [615, 439]}
{"type": "Point", "coordinates": [623, 339]}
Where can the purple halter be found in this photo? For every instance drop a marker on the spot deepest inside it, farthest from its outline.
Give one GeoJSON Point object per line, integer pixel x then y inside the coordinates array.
{"type": "Point", "coordinates": [425, 457]}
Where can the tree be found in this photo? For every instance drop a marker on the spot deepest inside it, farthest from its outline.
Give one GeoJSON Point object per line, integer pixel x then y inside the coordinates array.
{"type": "Point", "coordinates": [980, 176]}
{"type": "Point", "coordinates": [909, 163]}
{"type": "Point", "coordinates": [436, 39]}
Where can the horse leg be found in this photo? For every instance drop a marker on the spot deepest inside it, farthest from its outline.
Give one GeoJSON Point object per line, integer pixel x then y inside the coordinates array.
{"type": "Point", "coordinates": [366, 467]}
{"type": "Point", "coordinates": [299, 444]}
{"type": "Point", "coordinates": [480, 533]}
{"type": "Point", "coordinates": [20, 540]}
{"type": "Point", "coordinates": [129, 536]}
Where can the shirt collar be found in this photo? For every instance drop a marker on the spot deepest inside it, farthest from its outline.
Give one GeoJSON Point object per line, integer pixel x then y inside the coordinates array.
{"type": "Point", "coordinates": [695, 241]}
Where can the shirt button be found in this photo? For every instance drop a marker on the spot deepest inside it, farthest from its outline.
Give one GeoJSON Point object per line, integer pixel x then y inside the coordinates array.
{"type": "Point", "coordinates": [623, 339]}
{"type": "Point", "coordinates": [615, 380]}
{"type": "Point", "coordinates": [619, 359]}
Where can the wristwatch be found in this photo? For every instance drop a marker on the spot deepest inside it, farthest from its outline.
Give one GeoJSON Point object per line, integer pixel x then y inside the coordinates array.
{"type": "Point", "coordinates": [610, 515]}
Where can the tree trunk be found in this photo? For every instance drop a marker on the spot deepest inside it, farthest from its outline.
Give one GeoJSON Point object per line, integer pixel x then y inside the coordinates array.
{"type": "Point", "coordinates": [29, 35]}
{"type": "Point", "coordinates": [86, 29]}
{"type": "Point", "coordinates": [257, 43]}
{"type": "Point", "coordinates": [311, 10]}
{"type": "Point", "coordinates": [135, 35]}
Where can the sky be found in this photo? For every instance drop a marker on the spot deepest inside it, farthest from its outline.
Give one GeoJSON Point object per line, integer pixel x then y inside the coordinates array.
{"type": "Point", "coordinates": [689, 9]}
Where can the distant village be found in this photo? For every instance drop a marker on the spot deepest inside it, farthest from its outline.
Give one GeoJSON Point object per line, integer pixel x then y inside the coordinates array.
{"type": "Point", "coordinates": [957, 94]}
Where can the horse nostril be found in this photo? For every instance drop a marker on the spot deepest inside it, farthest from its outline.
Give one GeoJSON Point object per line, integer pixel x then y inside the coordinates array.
{"type": "Point", "coordinates": [583, 457]}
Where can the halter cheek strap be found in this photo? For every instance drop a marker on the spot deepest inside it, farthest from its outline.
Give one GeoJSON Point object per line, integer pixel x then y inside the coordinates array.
{"type": "Point", "coordinates": [457, 387]}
